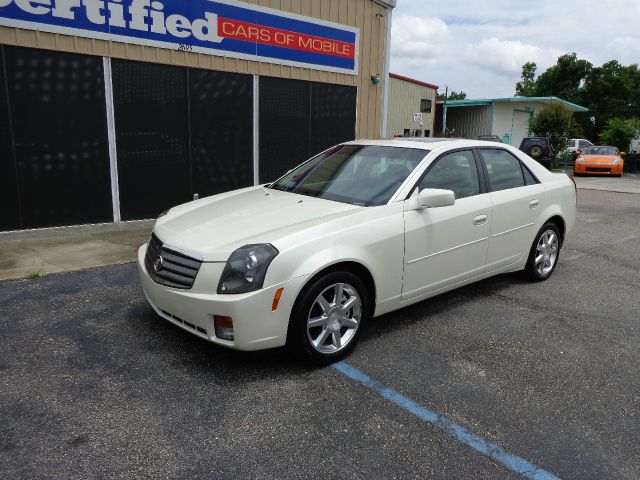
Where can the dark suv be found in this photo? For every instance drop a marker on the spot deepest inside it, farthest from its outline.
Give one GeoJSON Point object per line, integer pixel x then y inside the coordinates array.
{"type": "Point", "coordinates": [539, 149]}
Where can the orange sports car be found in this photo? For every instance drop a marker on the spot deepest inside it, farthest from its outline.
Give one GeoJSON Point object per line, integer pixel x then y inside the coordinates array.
{"type": "Point", "coordinates": [599, 160]}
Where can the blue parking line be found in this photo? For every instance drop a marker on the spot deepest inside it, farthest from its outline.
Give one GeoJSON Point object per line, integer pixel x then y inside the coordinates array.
{"type": "Point", "coordinates": [460, 433]}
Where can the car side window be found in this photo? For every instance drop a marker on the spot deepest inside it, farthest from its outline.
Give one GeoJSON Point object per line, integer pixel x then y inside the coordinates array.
{"type": "Point", "coordinates": [503, 168]}
{"type": "Point", "coordinates": [455, 171]}
{"type": "Point", "coordinates": [529, 179]}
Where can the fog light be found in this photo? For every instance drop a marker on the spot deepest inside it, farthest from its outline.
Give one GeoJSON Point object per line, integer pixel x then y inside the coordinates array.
{"type": "Point", "coordinates": [223, 327]}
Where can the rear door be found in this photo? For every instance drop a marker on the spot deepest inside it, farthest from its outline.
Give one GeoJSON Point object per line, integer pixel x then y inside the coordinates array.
{"type": "Point", "coordinates": [517, 198]}
{"type": "Point", "coordinates": [447, 245]}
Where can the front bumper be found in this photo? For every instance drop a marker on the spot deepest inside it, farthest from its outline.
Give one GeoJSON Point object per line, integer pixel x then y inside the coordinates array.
{"type": "Point", "coordinates": [598, 169]}
{"type": "Point", "coordinates": [255, 325]}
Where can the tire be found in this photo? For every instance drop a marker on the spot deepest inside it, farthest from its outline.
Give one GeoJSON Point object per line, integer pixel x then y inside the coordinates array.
{"type": "Point", "coordinates": [335, 331]}
{"type": "Point", "coordinates": [547, 244]}
{"type": "Point", "coordinates": [535, 151]}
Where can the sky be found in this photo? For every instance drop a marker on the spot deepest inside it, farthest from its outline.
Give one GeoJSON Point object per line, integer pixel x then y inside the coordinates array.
{"type": "Point", "coordinates": [480, 47]}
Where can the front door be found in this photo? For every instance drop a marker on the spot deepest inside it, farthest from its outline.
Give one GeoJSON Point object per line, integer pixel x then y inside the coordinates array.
{"type": "Point", "coordinates": [447, 245]}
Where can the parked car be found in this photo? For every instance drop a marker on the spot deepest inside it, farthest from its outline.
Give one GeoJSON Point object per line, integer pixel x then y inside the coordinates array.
{"type": "Point", "coordinates": [538, 148]}
{"type": "Point", "coordinates": [490, 138]}
{"type": "Point", "coordinates": [576, 144]}
{"type": "Point", "coordinates": [599, 160]}
{"type": "Point", "coordinates": [360, 230]}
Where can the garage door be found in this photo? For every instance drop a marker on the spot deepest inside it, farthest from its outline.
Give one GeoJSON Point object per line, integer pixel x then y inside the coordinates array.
{"type": "Point", "coordinates": [520, 128]}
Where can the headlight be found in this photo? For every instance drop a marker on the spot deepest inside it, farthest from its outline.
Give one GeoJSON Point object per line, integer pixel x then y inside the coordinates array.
{"type": "Point", "coordinates": [246, 268]}
{"type": "Point", "coordinates": [582, 160]}
{"type": "Point", "coordinates": [616, 161]}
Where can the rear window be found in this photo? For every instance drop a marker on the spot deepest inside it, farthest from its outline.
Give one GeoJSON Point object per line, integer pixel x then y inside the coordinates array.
{"type": "Point", "coordinates": [505, 171]}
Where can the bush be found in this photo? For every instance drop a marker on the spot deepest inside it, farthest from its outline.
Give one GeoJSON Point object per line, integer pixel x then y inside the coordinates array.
{"type": "Point", "coordinates": [565, 157]}
{"type": "Point", "coordinates": [632, 162]}
{"type": "Point", "coordinates": [556, 123]}
{"type": "Point", "coordinates": [619, 132]}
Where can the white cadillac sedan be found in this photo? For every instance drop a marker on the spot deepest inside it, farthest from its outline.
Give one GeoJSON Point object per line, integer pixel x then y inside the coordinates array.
{"type": "Point", "coordinates": [362, 229]}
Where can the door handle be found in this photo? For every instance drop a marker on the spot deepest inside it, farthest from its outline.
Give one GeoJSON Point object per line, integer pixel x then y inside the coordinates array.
{"type": "Point", "coordinates": [534, 203]}
{"type": "Point", "coordinates": [480, 219]}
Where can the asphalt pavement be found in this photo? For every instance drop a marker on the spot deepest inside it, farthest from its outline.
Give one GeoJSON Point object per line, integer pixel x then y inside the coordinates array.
{"type": "Point", "coordinates": [95, 385]}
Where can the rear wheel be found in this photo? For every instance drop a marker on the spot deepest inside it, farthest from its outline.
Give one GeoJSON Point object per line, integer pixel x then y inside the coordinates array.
{"type": "Point", "coordinates": [544, 253]}
{"type": "Point", "coordinates": [327, 318]}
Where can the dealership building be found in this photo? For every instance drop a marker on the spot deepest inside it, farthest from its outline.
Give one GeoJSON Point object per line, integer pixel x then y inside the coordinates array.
{"type": "Point", "coordinates": [114, 110]}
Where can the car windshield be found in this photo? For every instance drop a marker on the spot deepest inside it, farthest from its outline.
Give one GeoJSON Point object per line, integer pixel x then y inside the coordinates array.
{"type": "Point", "coordinates": [600, 151]}
{"type": "Point", "coordinates": [366, 175]}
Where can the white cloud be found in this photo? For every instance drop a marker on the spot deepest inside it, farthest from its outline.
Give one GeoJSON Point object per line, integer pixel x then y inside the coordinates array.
{"type": "Point", "coordinates": [481, 48]}
{"type": "Point", "coordinates": [417, 38]}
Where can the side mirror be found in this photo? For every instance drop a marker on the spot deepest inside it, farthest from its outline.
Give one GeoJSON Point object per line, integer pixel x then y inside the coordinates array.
{"type": "Point", "coordinates": [622, 154]}
{"type": "Point", "coordinates": [435, 198]}
{"type": "Point", "coordinates": [578, 152]}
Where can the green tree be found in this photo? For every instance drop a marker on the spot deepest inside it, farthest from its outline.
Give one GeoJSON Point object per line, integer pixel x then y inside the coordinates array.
{"type": "Point", "coordinates": [564, 79]}
{"type": "Point", "coordinates": [619, 132]}
{"type": "Point", "coordinates": [526, 88]}
{"type": "Point", "coordinates": [556, 123]}
{"type": "Point", "coordinates": [453, 95]}
{"type": "Point", "coordinates": [609, 91]}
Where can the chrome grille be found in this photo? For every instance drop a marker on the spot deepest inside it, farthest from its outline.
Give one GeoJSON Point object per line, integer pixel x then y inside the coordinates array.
{"type": "Point", "coordinates": [168, 267]}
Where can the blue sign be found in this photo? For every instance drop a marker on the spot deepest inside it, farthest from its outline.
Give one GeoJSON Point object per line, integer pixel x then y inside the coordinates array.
{"type": "Point", "coordinates": [215, 27]}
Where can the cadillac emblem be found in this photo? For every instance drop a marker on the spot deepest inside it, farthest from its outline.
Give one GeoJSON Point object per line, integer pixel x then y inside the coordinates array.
{"type": "Point", "coordinates": [157, 265]}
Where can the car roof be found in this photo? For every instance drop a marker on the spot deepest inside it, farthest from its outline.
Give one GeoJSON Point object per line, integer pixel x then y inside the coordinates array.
{"type": "Point", "coordinates": [429, 143]}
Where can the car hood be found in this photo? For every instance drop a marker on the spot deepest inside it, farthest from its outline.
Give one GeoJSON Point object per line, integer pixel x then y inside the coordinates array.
{"type": "Point", "coordinates": [606, 159]}
{"type": "Point", "coordinates": [214, 227]}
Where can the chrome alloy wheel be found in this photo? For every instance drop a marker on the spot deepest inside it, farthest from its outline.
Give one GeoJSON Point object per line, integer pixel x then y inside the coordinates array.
{"type": "Point", "coordinates": [546, 252]}
{"type": "Point", "coordinates": [334, 318]}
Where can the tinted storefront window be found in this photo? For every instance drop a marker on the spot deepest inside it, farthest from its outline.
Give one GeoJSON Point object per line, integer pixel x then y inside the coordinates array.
{"type": "Point", "coordinates": [284, 126]}
{"type": "Point", "coordinates": [299, 119]}
{"type": "Point", "coordinates": [221, 112]}
{"type": "Point", "coordinates": [333, 115]}
{"type": "Point", "coordinates": [151, 114]}
{"type": "Point", "coordinates": [9, 213]}
{"type": "Point", "coordinates": [58, 116]}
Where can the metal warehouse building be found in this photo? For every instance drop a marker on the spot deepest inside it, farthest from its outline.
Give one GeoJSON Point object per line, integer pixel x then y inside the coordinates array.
{"type": "Point", "coordinates": [115, 110]}
{"type": "Point", "coordinates": [508, 118]}
{"type": "Point", "coordinates": [412, 105]}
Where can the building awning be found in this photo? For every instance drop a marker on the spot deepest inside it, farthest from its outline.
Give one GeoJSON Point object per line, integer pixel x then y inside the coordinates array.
{"type": "Point", "coordinates": [489, 101]}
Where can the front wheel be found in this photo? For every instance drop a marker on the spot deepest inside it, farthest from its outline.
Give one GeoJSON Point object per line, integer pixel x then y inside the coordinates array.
{"type": "Point", "coordinates": [327, 318]}
{"type": "Point", "coordinates": [544, 253]}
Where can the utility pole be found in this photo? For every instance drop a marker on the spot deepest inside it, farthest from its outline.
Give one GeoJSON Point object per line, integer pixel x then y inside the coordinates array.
{"type": "Point", "coordinates": [444, 111]}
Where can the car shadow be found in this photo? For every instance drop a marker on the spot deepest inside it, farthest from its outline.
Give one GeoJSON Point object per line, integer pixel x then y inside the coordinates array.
{"type": "Point", "coordinates": [427, 310]}
{"type": "Point", "coordinates": [191, 352]}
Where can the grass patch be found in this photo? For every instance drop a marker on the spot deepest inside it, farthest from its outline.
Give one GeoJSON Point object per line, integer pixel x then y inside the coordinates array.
{"type": "Point", "coordinates": [34, 273]}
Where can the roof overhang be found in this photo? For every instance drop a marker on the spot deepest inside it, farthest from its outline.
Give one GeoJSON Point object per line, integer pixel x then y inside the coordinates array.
{"type": "Point", "coordinates": [387, 3]}
{"type": "Point", "coordinates": [489, 101]}
{"type": "Point", "coordinates": [414, 81]}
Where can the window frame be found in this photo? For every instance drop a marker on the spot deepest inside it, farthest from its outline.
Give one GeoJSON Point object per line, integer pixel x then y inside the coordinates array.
{"type": "Point", "coordinates": [426, 102]}
{"type": "Point", "coordinates": [479, 166]}
{"type": "Point", "coordinates": [522, 169]}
